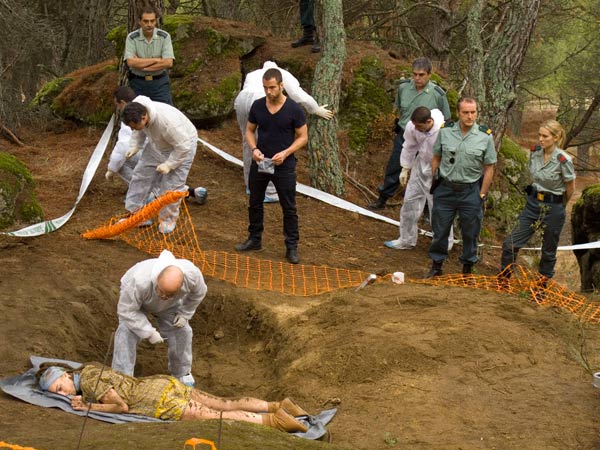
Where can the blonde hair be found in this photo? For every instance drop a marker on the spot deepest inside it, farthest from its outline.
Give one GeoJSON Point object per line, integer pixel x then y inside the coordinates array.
{"type": "Point", "coordinates": [555, 130]}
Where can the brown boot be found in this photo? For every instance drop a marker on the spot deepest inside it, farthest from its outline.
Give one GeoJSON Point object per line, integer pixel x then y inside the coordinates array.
{"type": "Point", "coordinates": [283, 421]}
{"type": "Point", "coordinates": [292, 408]}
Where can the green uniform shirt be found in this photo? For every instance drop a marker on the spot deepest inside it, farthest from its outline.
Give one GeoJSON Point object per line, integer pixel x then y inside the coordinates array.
{"type": "Point", "coordinates": [552, 175]}
{"type": "Point", "coordinates": [408, 99]}
{"type": "Point", "coordinates": [463, 157]}
{"type": "Point", "coordinates": [159, 46]}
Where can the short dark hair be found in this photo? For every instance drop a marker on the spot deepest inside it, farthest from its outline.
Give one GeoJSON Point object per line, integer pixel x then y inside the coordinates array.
{"type": "Point", "coordinates": [422, 63]}
{"type": "Point", "coordinates": [465, 100]}
{"type": "Point", "coordinates": [273, 73]}
{"type": "Point", "coordinates": [125, 94]}
{"type": "Point", "coordinates": [148, 10]}
{"type": "Point", "coordinates": [421, 114]}
{"type": "Point", "coordinates": [133, 113]}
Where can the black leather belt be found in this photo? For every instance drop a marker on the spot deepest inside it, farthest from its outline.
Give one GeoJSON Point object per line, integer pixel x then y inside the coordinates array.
{"type": "Point", "coordinates": [457, 186]}
{"type": "Point", "coordinates": [147, 77]}
{"type": "Point", "coordinates": [541, 196]}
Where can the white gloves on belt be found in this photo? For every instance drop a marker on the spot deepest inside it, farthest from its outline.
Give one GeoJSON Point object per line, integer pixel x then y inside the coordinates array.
{"type": "Point", "coordinates": [163, 168]}
{"type": "Point", "coordinates": [179, 321]}
{"type": "Point", "coordinates": [109, 175]}
{"type": "Point", "coordinates": [404, 176]}
{"type": "Point", "coordinates": [324, 113]}
{"type": "Point", "coordinates": [132, 151]}
{"type": "Point", "coordinates": [155, 338]}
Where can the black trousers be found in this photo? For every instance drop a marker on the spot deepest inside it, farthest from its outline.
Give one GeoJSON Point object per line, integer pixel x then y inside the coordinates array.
{"type": "Point", "coordinates": [284, 180]}
{"type": "Point", "coordinates": [391, 179]}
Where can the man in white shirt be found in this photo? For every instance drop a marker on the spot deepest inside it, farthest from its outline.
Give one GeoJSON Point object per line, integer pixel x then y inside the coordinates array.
{"type": "Point", "coordinates": [419, 137]}
{"type": "Point", "coordinates": [253, 90]}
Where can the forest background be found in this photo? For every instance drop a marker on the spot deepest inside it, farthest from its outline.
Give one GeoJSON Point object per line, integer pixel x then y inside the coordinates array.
{"type": "Point", "coordinates": [507, 54]}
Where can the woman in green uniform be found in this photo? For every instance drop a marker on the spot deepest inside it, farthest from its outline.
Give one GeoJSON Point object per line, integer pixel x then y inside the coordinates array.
{"type": "Point", "coordinates": [553, 183]}
{"type": "Point", "coordinates": [161, 396]}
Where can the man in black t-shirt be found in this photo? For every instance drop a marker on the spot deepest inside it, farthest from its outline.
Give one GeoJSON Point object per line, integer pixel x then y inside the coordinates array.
{"type": "Point", "coordinates": [282, 130]}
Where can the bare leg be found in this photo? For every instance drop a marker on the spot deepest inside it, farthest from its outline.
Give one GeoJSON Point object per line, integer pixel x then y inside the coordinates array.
{"type": "Point", "coordinates": [222, 404]}
{"type": "Point", "coordinates": [198, 411]}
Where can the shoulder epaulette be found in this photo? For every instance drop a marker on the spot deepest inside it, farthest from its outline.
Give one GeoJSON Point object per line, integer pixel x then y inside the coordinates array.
{"type": "Point", "coordinates": [562, 158]}
{"type": "Point", "coordinates": [535, 148]}
{"type": "Point", "coordinates": [404, 81]}
{"type": "Point", "coordinates": [485, 129]}
{"type": "Point", "coordinates": [134, 34]}
{"type": "Point", "coordinates": [162, 33]}
{"type": "Point", "coordinates": [439, 90]}
{"type": "Point", "coordinates": [447, 124]}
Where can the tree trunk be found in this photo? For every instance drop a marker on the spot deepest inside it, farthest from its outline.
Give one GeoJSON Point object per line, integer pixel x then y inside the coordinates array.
{"type": "Point", "coordinates": [494, 73]}
{"type": "Point", "coordinates": [323, 148]}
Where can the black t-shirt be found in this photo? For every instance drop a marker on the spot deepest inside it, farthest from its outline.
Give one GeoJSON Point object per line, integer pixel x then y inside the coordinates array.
{"type": "Point", "coordinates": [276, 132]}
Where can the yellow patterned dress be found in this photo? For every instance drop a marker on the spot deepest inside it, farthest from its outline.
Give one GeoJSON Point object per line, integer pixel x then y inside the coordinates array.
{"type": "Point", "coordinates": [160, 396]}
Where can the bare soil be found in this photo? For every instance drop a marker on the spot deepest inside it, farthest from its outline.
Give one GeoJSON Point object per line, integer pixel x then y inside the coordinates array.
{"type": "Point", "coordinates": [408, 366]}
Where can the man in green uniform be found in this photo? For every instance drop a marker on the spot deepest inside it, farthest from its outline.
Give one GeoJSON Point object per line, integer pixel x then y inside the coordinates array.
{"type": "Point", "coordinates": [149, 55]}
{"type": "Point", "coordinates": [419, 91]}
{"type": "Point", "coordinates": [465, 155]}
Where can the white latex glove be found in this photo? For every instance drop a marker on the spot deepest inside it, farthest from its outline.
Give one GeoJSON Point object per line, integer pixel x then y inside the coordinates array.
{"type": "Point", "coordinates": [156, 338]}
{"type": "Point", "coordinates": [163, 168]}
{"type": "Point", "coordinates": [404, 176]}
{"type": "Point", "coordinates": [132, 151]}
{"type": "Point", "coordinates": [324, 112]}
{"type": "Point", "coordinates": [179, 321]}
{"type": "Point", "coordinates": [109, 175]}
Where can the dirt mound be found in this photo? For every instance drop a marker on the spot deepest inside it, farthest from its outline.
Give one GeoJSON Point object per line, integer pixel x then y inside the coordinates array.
{"type": "Point", "coordinates": [408, 366]}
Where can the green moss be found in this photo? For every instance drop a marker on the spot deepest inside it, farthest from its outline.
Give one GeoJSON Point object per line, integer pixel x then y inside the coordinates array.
{"type": "Point", "coordinates": [217, 43]}
{"type": "Point", "coordinates": [31, 211]}
{"type": "Point", "coordinates": [366, 101]}
{"type": "Point", "coordinates": [16, 188]}
{"type": "Point", "coordinates": [117, 36]}
{"type": "Point", "coordinates": [10, 164]}
{"type": "Point", "coordinates": [515, 161]}
{"type": "Point", "coordinates": [210, 102]}
{"type": "Point", "coordinates": [593, 190]}
{"type": "Point", "coordinates": [452, 96]}
{"type": "Point", "coordinates": [50, 90]}
{"type": "Point", "coordinates": [194, 66]}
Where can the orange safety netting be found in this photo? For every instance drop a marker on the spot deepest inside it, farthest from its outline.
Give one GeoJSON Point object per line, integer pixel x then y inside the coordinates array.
{"type": "Point", "coordinates": [239, 269]}
{"type": "Point", "coordinates": [523, 281]}
{"type": "Point", "coordinates": [253, 273]}
{"type": "Point", "coordinates": [4, 445]}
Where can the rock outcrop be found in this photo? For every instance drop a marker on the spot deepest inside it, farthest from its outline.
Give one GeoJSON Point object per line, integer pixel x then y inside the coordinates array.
{"type": "Point", "coordinates": [586, 228]}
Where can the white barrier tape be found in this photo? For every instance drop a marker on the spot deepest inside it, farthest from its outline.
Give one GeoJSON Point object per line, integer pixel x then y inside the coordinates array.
{"type": "Point", "coordinates": [52, 225]}
{"type": "Point", "coordinates": [335, 201]}
{"type": "Point", "coordinates": [310, 191]}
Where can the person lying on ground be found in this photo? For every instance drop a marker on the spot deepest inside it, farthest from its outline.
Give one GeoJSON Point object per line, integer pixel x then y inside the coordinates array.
{"type": "Point", "coordinates": [97, 388]}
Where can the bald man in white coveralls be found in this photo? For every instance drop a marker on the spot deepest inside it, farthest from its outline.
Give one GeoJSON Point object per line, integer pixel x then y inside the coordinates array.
{"type": "Point", "coordinates": [253, 90]}
{"type": "Point", "coordinates": [415, 159]}
{"type": "Point", "coordinates": [170, 290]}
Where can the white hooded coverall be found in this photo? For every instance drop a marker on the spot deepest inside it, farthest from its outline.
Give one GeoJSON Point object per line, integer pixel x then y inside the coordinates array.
{"type": "Point", "coordinates": [417, 155]}
{"type": "Point", "coordinates": [252, 91]}
{"type": "Point", "coordinates": [138, 299]}
{"type": "Point", "coordinates": [172, 139]}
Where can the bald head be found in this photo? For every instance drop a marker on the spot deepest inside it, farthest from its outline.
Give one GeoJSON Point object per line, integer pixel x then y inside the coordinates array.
{"type": "Point", "coordinates": [169, 282]}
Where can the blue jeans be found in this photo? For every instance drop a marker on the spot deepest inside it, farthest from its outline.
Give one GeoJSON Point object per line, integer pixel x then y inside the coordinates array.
{"type": "Point", "coordinates": [158, 90]}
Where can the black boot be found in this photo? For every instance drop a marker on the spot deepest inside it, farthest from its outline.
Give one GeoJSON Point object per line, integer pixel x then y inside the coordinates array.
{"type": "Point", "coordinates": [467, 269]}
{"type": "Point", "coordinates": [292, 255]}
{"type": "Point", "coordinates": [316, 47]}
{"type": "Point", "coordinates": [435, 271]}
{"type": "Point", "coordinates": [504, 278]}
{"type": "Point", "coordinates": [377, 204]}
{"type": "Point", "coordinates": [308, 38]}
